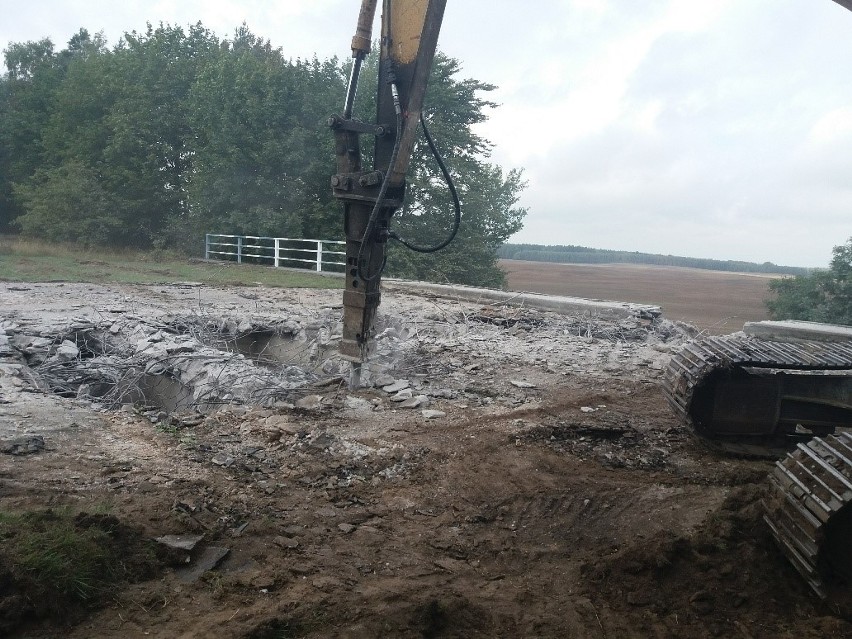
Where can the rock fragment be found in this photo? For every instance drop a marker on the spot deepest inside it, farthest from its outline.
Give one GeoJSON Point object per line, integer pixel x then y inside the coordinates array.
{"type": "Point", "coordinates": [402, 395]}
{"type": "Point", "coordinates": [208, 558]}
{"type": "Point", "coordinates": [180, 542]}
{"type": "Point", "coordinates": [5, 345]}
{"type": "Point", "coordinates": [221, 459]}
{"type": "Point", "coordinates": [384, 380]}
{"type": "Point", "coordinates": [413, 402]}
{"type": "Point", "coordinates": [285, 542]}
{"type": "Point", "coordinates": [310, 402]}
{"type": "Point", "coordinates": [397, 386]}
{"type": "Point", "coordinates": [66, 352]}
{"type": "Point", "coordinates": [358, 404]}
{"type": "Point", "coordinates": [23, 446]}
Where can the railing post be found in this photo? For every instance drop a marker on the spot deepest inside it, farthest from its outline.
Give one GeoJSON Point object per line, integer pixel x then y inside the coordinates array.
{"type": "Point", "coordinates": [319, 256]}
{"type": "Point", "coordinates": [239, 249]}
{"type": "Point", "coordinates": [207, 246]}
{"type": "Point", "coordinates": [277, 252]}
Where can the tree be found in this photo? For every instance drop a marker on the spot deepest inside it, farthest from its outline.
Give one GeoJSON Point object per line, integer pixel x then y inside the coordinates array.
{"type": "Point", "coordinates": [68, 203]}
{"type": "Point", "coordinates": [148, 157]}
{"type": "Point", "coordinates": [824, 296]}
{"type": "Point", "coordinates": [26, 95]}
{"type": "Point", "coordinates": [118, 119]}
{"type": "Point", "coordinates": [489, 217]}
{"type": "Point", "coordinates": [263, 154]}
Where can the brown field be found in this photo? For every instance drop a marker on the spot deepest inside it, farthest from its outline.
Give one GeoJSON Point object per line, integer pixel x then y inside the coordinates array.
{"type": "Point", "coordinates": [715, 301]}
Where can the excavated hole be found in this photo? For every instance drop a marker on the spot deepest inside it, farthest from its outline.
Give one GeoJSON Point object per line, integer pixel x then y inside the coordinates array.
{"type": "Point", "coordinates": [269, 348]}
{"type": "Point", "coordinates": [268, 342]}
{"type": "Point", "coordinates": [312, 347]}
{"type": "Point", "coordinates": [174, 368]}
{"type": "Point", "coordinates": [161, 392]}
{"type": "Point", "coordinates": [199, 362]}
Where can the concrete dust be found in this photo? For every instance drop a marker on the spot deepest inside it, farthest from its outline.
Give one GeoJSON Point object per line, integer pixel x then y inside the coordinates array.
{"type": "Point", "coordinates": [538, 485]}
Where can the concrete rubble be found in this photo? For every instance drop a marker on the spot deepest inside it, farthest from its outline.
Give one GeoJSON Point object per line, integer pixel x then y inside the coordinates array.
{"type": "Point", "coordinates": [23, 445]}
{"type": "Point", "coordinates": [199, 371]}
{"type": "Point", "coordinates": [197, 361]}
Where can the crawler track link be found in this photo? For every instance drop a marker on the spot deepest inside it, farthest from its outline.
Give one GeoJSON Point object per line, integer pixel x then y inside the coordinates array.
{"type": "Point", "coordinates": [809, 510]}
{"type": "Point", "coordinates": [729, 390]}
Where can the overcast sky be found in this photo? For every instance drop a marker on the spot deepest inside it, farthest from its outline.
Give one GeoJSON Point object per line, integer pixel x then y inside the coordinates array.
{"type": "Point", "coordinates": [719, 128]}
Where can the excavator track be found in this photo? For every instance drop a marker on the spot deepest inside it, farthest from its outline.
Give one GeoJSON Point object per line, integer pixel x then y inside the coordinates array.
{"type": "Point", "coordinates": [757, 397]}
{"type": "Point", "coordinates": [810, 510]}
{"type": "Point", "coordinates": [754, 394]}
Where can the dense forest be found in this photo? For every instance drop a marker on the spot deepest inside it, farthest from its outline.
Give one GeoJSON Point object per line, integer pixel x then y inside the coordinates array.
{"type": "Point", "coordinates": [175, 132]}
{"type": "Point", "coordinates": [583, 255]}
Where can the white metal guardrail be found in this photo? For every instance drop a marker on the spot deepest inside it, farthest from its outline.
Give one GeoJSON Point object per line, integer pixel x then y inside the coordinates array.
{"type": "Point", "coordinates": [317, 255]}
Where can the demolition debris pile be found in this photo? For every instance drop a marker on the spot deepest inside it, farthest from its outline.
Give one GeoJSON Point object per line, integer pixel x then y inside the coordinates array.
{"type": "Point", "coordinates": [198, 361]}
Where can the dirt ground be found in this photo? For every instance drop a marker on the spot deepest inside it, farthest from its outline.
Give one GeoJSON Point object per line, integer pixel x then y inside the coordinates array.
{"type": "Point", "coordinates": [713, 301]}
{"type": "Point", "coordinates": [536, 486]}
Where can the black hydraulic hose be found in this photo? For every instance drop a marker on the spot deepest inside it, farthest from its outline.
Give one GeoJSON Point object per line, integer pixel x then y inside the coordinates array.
{"type": "Point", "coordinates": [456, 204]}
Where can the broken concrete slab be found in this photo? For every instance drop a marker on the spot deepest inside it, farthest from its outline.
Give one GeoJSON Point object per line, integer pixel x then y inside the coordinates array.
{"type": "Point", "coordinates": [400, 384]}
{"type": "Point", "coordinates": [180, 542]}
{"type": "Point", "coordinates": [207, 559]}
{"type": "Point", "coordinates": [414, 402]}
{"type": "Point", "coordinates": [792, 330]}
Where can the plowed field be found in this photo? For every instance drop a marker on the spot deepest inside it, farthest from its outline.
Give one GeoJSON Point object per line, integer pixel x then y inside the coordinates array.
{"type": "Point", "coordinates": [714, 301]}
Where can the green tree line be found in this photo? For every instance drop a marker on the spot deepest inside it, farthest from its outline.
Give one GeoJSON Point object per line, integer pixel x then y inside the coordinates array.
{"type": "Point", "coordinates": [583, 255]}
{"type": "Point", "coordinates": [175, 132]}
{"type": "Point", "coordinates": [821, 296]}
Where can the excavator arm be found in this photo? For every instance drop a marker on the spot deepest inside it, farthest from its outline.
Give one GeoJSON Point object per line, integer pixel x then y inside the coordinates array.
{"type": "Point", "coordinates": [371, 196]}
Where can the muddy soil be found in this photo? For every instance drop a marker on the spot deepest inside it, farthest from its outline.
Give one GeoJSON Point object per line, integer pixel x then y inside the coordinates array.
{"type": "Point", "coordinates": [528, 480]}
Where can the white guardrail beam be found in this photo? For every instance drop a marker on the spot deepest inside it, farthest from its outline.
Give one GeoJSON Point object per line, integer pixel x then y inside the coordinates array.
{"type": "Point", "coordinates": [317, 255]}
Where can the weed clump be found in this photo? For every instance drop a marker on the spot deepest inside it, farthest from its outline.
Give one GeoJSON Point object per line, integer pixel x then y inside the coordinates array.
{"type": "Point", "coordinates": [58, 565]}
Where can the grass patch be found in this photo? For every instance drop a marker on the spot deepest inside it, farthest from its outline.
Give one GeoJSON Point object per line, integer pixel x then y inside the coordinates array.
{"type": "Point", "coordinates": [55, 564]}
{"type": "Point", "coordinates": [23, 260]}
